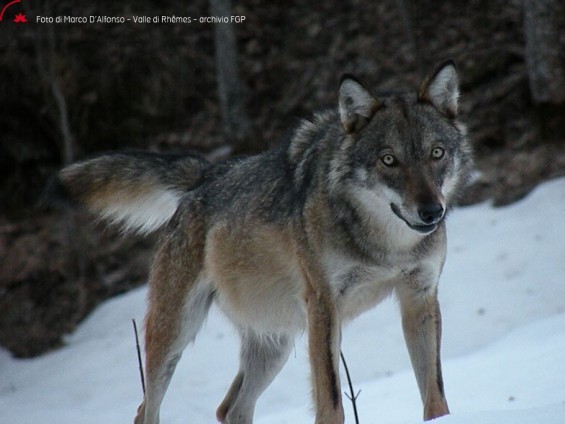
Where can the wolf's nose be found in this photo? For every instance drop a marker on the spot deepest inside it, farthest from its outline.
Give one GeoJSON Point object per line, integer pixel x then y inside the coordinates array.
{"type": "Point", "coordinates": [431, 213]}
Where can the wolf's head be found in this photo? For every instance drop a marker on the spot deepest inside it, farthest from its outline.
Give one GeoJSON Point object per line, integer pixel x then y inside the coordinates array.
{"type": "Point", "coordinates": [404, 157]}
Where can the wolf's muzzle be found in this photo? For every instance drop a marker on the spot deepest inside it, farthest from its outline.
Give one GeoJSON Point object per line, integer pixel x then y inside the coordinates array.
{"type": "Point", "coordinates": [430, 216]}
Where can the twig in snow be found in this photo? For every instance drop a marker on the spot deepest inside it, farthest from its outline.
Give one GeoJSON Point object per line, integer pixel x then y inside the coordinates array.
{"type": "Point", "coordinates": [139, 356]}
{"type": "Point", "coordinates": [352, 397]}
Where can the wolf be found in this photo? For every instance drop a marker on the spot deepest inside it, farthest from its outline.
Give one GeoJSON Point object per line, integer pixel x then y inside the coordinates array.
{"type": "Point", "coordinates": [348, 210]}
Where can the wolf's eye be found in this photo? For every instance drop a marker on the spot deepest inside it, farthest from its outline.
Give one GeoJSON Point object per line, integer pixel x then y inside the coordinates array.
{"type": "Point", "coordinates": [437, 153]}
{"type": "Point", "coordinates": [389, 160]}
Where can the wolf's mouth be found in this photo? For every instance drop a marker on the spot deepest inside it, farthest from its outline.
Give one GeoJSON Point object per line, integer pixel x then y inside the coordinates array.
{"type": "Point", "coordinates": [423, 228]}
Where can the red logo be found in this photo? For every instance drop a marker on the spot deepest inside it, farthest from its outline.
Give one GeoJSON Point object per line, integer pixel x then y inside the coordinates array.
{"type": "Point", "coordinates": [20, 18]}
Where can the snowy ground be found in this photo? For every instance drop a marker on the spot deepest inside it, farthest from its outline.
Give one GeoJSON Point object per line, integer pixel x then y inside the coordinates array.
{"type": "Point", "coordinates": [503, 302]}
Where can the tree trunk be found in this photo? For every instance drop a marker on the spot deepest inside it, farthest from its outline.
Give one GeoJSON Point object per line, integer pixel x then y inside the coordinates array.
{"type": "Point", "coordinates": [544, 22]}
{"type": "Point", "coordinates": [230, 87]}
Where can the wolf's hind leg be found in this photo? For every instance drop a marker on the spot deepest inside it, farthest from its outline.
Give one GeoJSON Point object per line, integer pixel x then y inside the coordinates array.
{"type": "Point", "coordinates": [262, 358]}
{"type": "Point", "coordinates": [179, 301]}
{"type": "Point", "coordinates": [164, 351]}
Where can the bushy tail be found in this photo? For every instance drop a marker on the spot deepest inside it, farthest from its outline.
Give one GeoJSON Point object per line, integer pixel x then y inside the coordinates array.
{"type": "Point", "coordinates": [140, 190]}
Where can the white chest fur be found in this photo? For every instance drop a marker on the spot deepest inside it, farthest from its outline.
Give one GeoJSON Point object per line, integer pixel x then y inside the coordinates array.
{"type": "Point", "coordinates": [359, 287]}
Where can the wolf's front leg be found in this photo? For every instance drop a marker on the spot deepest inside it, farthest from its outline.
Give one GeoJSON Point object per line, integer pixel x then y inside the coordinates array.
{"type": "Point", "coordinates": [421, 322]}
{"type": "Point", "coordinates": [324, 337]}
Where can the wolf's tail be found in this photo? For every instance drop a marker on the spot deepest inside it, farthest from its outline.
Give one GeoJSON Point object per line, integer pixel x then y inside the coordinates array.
{"type": "Point", "coordinates": [140, 190]}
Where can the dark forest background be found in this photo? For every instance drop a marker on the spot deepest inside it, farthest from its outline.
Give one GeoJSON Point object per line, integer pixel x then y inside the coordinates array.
{"type": "Point", "coordinates": [68, 91]}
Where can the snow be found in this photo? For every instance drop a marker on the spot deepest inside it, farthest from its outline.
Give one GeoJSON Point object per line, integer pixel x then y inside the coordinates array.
{"type": "Point", "coordinates": [503, 302]}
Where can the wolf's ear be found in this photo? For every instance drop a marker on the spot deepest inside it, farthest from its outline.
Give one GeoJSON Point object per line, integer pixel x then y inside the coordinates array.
{"type": "Point", "coordinates": [441, 89]}
{"type": "Point", "coordinates": [356, 105]}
